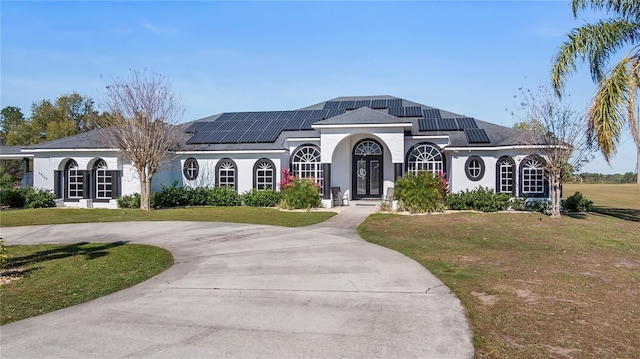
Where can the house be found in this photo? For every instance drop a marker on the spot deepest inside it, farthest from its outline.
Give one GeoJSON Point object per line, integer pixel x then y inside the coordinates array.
{"type": "Point", "coordinates": [360, 144]}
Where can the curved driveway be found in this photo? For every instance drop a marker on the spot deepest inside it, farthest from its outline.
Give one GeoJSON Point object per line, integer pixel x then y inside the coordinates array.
{"type": "Point", "coordinates": [249, 291]}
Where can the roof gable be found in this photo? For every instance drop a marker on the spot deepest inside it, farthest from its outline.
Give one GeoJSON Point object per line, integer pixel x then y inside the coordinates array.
{"type": "Point", "coordinates": [362, 116]}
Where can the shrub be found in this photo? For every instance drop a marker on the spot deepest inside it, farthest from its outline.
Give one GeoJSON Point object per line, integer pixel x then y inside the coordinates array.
{"type": "Point", "coordinates": [129, 201]}
{"type": "Point", "coordinates": [4, 255]}
{"type": "Point", "coordinates": [39, 198]}
{"type": "Point", "coordinates": [198, 196]}
{"type": "Point", "coordinates": [537, 205]}
{"type": "Point", "coordinates": [299, 193]}
{"type": "Point", "coordinates": [421, 192]}
{"type": "Point", "coordinates": [482, 199]}
{"type": "Point", "coordinates": [224, 196]}
{"type": "Point", "coordinates": [261, 198]}
{"type": "Point", "coordinates": [171, 196]}
{"type": "Point", "coordinates": [12, 197]}
{"type": "Point", "coordinates": [577, 203]}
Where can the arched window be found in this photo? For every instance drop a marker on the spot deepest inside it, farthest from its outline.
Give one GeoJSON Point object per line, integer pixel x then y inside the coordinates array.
{"type": "Point", "coordinates": [366, 148]}
{"type": "Point", "coordinates": [74, 179]}
{"type": "Point", "coordinates": [103, 180]}
{"type": "Point", "coordinates": [532, 181]}
{"type": "Point", "coordinates": [190, 169]}
{"type": "Point", "coordinates": [227, 173]}
{"type": "Point", "coordinates": [505, 175]}
{"type": "Point", "coordinates": [305, 163]}
{"type": "Point", "coordinates": [474, 168]}
{"type": "Point", "coordinates": [425, 157]}
{"type": "Point", "coordinates": [264, 174]}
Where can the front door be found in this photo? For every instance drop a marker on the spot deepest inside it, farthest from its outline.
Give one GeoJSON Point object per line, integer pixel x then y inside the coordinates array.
{"type": "Point", "coordinates": [367, 170]}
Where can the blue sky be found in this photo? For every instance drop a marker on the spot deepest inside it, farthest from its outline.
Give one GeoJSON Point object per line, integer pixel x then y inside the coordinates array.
{"type": "Point", "coordinates": [465, 57]}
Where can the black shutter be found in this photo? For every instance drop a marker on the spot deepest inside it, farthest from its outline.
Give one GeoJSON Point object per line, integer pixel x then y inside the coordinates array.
{"type": "Point", "coordinates": [58, 180]}
{"type": "Point", "coordinates": [116, 179]}
{"type": "Point", "coordinates": [87, 184]}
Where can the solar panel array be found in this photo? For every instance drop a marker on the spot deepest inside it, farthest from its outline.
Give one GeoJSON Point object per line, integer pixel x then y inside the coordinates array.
{"type": "Point", "coordinates": [355, 104]}
{"type": "Point", "coordinates": [433, 122]}
{"type": "Point", "coordinates": [476, 135]}
{"type": "Point", "coordinates": [256, 127]}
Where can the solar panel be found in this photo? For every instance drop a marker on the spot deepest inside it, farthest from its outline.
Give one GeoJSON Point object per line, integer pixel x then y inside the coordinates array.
{"type": "Point", "coordinates": [396, 102]}
{"type": "Point", "coordinates": [396, 111]}
{"type": "Point", "coordinates": [215, 137]}
{"type": "Point", "coordinates": [228, 125]}
{"type": "Point", "coordinates": [233, 136]}
{"type": "Point", "coordinates": [286, 115]}
{"type": "Point", "coordinates": [211, 126]}
{"type": "Point", "coordinates": [448, 124]}
{"type": "Point", "coordinates": [239, 116]}
{"type": "Point", "coordinates": [363, 103]}
{"type": "Point", "coordinates": [378, 104]}
{"type": "Point", "coordinates": [249, 137]}
{"type": "Point", "coordinates": [413, 111]}
{"type": "Point", "coordinates": [198, 137]}
{"type": "Point", "coordinates": [195, 127]}
{"type": "Point", "coordinates": [306, 125]}
{"type": "Point", "coordinates": [347, 105]}
{"type": "Point", "coordinates": [268, 135]}
{"type": "Point", "coordinates": [292, 125]}
{"type": "Point", "coordinates": [333, 113]}
{"type": "Point", "coordinates": [431, 113]}
{"type": "Point", "coordinates": [278, 124]}
{"type": "Point", "coordinates": [272, 115]}
{"type": "Point", "coordinates": [329, 105]}
{"type": "Point", "coordinates": [318, 115]}
{"type": "Point", "coordinates": [253, 116]}
{"type": "Point", "coordinates": [467, 122]}
{"type": "Point", "coordinates": [225, 116]}
{"type": "Point", "coordinates": [301, 115]}
{"type": "Point", "coordinates": [427, 124]}
{"type": "Point", "coordinates": [476, 135]}
{"type": "Point", "coordinates": [259, 125]}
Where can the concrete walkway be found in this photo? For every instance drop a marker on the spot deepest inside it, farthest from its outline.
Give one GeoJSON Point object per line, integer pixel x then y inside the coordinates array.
{"type": "Point", "coordinates": [251, 291]}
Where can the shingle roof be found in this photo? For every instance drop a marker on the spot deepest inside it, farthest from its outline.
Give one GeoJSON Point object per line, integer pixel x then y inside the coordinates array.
{"type": "Point", "coordinates": [268, 130]}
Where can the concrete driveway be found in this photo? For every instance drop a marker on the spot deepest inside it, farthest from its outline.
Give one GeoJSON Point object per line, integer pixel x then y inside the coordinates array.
{"type": "Point", "coordinates": [250, 291]}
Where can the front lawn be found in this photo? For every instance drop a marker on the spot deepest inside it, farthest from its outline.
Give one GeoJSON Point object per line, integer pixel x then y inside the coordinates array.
{"type": "Point", "coordinates": [44, 278]}
{"type": "Point", "coordinates": [534, 288]}
{"type": "Point", "coordinates": [254, 215]}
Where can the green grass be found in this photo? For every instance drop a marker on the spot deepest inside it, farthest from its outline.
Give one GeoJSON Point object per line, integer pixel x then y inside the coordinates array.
{"type": "Point", "coordinates": [535, 288]}
{"type": "Point", "coordinates": [53, 277]}
{"type": "Point", "coordinates": [212, 214]}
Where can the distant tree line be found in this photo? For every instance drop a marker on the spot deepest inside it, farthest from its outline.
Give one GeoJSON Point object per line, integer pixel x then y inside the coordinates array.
{"type": "Point", "coordinates": [587, 177]}
{"type": "Point", "coordinates": [68, 115]}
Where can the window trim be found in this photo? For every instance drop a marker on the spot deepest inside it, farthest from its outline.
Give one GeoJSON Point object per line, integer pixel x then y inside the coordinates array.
{"type": "Point", "coordinates": [256, 167]}
{"type": "Point", "coordinates": [102, 172]}
{"type": "Point", "coordinates": [415, 169]}
{"type": "Point", "coordinates": [235, 172]}
{"type": "Point", "coordinates": [316, 170]}
{"type": "Point", "coordinates": [467, 168]}
{"type": "Point", "coordinates": [191, 169]}
{"type": "Point", "coordinates": [499, 173]}
{"type": "Point", "coordinates": [545, 182]}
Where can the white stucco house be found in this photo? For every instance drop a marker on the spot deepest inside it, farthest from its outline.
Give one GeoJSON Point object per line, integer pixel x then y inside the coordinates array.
{"type": "Point", "coordinates": [360, 144]}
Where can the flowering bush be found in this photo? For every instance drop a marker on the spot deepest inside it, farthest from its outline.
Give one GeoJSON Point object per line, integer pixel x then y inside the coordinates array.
{"type": "Point", "coordinates": [421, 192]}
{"type": "Point", "coordinates": [299, 193]}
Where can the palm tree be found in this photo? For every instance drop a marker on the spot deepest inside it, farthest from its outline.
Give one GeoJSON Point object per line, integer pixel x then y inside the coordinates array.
{"type": "Point", "coordinates": [615, 101]}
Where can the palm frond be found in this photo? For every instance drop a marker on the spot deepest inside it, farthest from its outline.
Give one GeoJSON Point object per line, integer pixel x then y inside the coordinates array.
{"type": "Point", "coordinates": [594, 43]}
{"type": "Point", "coordinates": [609, 110]}
{"type": "Point", "coordinates": [629, 9]}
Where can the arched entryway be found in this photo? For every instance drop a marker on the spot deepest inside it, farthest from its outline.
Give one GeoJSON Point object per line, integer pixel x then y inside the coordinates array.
{"type": "Point", "coordinates": [367, 169]}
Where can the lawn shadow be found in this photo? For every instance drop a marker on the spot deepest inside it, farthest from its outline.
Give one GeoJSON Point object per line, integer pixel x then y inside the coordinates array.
{"type": "Point", "coordinates": [576, 215]}
{"type": "Point", "coordinates": [64, 251]}
{"type": "Point", "coordinates": [626, 214]}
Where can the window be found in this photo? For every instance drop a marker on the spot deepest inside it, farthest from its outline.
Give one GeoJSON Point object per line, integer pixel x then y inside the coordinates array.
{"type": "Point", "coordinates": [226, 173]}
{"type": "Point", "coordinates": [103, 180]}
{"type": "Point", "coordinates": [505, 169]}
{"type": "Point", "coordinates": [264, 174]}
{"type": "Point", "coordinates": [305, 163]}
{"type": "Point", "coordinates": [532, 177]}
{"type": "Point", "coordinates": [190, 169]}
{"type": "Point", "coordinates": [365, 148]}
{"type": "Point", "coordinates": [75, 179]}
{"type": "Point", "coordinates": [474, 168]}
{"type": "Point", "coordinates": [425, 157]}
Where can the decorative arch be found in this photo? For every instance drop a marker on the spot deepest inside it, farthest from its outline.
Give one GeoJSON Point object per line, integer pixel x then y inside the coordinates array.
{"type": "Point", "coordinates": [227, 173]}
{"type": "Point", "coordinates": [264, 174]}
{"type": "Point", "coordinates": [506, 175]}
{"type": "Point", "coordinates": [425, 156]}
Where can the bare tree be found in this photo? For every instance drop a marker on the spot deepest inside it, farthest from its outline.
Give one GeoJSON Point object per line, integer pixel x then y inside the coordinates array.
{"type": "Point", "coordinates": [144, 112]}
{"type": "Point", "coordinates": [557, 133]}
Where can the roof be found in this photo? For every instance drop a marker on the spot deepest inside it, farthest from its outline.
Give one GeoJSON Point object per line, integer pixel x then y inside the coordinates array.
{"type": "Point", "coordinates": [267, 130]}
